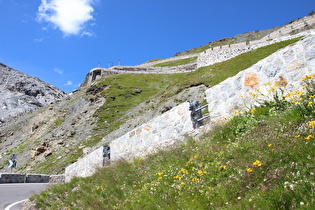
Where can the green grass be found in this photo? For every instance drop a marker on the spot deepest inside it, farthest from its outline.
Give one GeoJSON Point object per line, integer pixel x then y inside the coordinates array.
{"type": "Point", "coordinates": [257, 160]}
{"type": "Point", "coordinates": [122, 90]}
{"type": "Point", "coordinates": [178, 62]}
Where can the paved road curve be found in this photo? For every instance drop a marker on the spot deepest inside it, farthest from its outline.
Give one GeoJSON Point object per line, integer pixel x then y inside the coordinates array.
{"type": "Point", "coordinates": [11, 193]}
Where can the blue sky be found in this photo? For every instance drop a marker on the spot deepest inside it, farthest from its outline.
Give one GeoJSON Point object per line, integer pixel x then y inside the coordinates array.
{"type": "Point", "coordinates": [60, 41]}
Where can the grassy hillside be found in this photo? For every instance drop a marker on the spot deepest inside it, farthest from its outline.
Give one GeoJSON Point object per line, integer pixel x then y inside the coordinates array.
{"type": "Point", "coordinates": [125, 91]}
{"type": "Point", "coordinates": [260, 159]}
{"type": "Point", "coordinates": [70, 130]}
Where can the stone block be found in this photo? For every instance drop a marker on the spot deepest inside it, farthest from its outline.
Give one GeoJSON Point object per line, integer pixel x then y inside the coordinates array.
{"type": "Point", "coordinates": [37, 178]}
{"type": "Point", "coordinates": [12, 178]}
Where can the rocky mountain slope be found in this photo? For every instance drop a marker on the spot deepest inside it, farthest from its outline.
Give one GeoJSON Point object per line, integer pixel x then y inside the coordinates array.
{"type": "Point", "coordinates": [21, 93]}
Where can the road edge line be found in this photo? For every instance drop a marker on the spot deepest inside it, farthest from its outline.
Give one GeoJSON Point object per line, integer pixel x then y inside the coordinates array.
{"type": "Point", "coordinates": [13, 204]}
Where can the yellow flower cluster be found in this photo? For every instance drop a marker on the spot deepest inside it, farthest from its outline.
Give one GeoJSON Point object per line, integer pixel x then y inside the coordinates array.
{"type": "Point", "coordinates": [308, 77]}
{"type": "Point", "coordinates": [257, 163]}
{"type": "Point", "coordinates": [311, 124]}
{"type": "Point", "coordinates": [183, 171]}
{"type": "Point", "coordinates": [177, 177]}
{"type": "Point", "coordinates": [200, 172]}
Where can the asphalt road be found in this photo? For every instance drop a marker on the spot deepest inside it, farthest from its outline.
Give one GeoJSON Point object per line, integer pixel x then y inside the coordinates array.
{"type": "Point", "coordinates": [12, 193]}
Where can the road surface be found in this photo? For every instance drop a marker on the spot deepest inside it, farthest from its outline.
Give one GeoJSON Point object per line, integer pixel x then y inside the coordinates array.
{"type": "Point", "coordinates": [12, 193]}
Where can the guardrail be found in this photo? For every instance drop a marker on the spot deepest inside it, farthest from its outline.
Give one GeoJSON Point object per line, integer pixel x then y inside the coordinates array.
{"type": "Point", "coordinates": [196, 114]}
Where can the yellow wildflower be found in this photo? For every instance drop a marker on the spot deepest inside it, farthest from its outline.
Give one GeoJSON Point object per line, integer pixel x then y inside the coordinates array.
{"type": "Point", "coordinates": [200, 172]}
{"type": "Point", "coordinates": [183, 171]}
{"type": "Point", "coordinates": [308, 137]}
{"type": "Point", "coordinates": [310, 103]}
{"type": "Point", "coordinates": [307, 77]}
{"type": "Point", "coordinates": [269, 145]}
{"type": "Point", "coordinates": [177, 177]}
{"type": "Point", "coordinates": [195, 179]}
{"type": "Point", "coordinates": [311, 124]}
{"type": "Point", "coordinates": [160, 174]}
{"type": "Point", "coordinates": [257, 163]}
{"type": "Point", "coordinates": [182, 183]}
{"type": "Point", "coordinates": [249, 170]}
{"type": "Point", "coordinates": [297, 136]}
{"type": "Point", "coordinates": [268, 83]}
{"type": "Point", "coordinates": [160, 178]}
{"type": "Point", "coordinates": [222, 167]}
{"type": "Point", "coordinates": [252, 111]}
{"type": "Point", "coordinates": [295, 102]}
{"type": "Point", "coordinates": [254, 95]}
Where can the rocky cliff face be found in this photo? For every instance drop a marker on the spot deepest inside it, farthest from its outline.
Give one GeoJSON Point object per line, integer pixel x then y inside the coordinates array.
{"type": "Point", "coordinates": [21, 93]}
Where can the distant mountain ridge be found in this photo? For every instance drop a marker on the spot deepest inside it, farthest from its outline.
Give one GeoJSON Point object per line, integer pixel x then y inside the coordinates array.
{"type": "Point", "coordinates": [21, 93]}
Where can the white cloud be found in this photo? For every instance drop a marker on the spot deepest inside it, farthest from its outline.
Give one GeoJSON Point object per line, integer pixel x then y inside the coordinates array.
{"type": "Point", "coordinates": [58, 71]}
{"type": "Point", "coordinates": [67, 15]}
{"type": "Point", "coordinates": [86, 33]}
{"type": "Point", "coordinates": [69, 83]}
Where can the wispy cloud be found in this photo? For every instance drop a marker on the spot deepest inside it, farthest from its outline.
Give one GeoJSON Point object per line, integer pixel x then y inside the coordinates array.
{"type": "Point", "coordinates": [58, 70]}
{"type": "Point", "coordinates": [86, 33]}
{"type": "Point", "coordinates": [69, 16]}
{"type": "Point", "coordinates": [69, 83]}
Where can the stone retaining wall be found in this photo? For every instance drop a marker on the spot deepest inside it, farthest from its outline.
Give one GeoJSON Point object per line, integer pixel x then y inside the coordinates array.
{"type": "Point", "coordinates": [30, 178]}
{"type": "Point", "coordinates": [162, 131]}
{"type": "Point", "coordinates": [85, 166]}
{"type": "Point", "coordinates": [226, 52]}
{"type": "Point", "coordinates": [159, 133]}
{"type": "Point", "coordinates": [288, 65]}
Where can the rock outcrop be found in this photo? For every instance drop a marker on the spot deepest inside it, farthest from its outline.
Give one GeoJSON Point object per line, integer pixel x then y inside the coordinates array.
{"type": "Point", "coordinates": [21, 93]}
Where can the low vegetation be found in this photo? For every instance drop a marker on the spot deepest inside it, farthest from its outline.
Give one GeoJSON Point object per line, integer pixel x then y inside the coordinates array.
{"type": "Point", "coordinates": [259, 159]}
{"type": "Point", "coordinates": [122, 95]}
{"type": "Point", "coordinates": [178, 62]}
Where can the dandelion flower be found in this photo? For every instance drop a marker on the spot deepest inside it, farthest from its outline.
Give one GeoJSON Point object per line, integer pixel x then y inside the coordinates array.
{"type": "Point", "coordinates": [160, 178]}
{"type": "Point", "coordinates": [297, 136]}
{"type": "Point", "coordinates": [269, 145]}
{"type": "Point", "coordinates": [310, 103]}
{"type": "Point", "coordinates": [252, 111]}
{"type": "Point", "coordinates": [182, 183]}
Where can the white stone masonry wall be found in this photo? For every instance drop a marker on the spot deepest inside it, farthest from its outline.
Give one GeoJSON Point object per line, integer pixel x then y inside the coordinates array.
{"type": "Point", "coordinates": [226, 52]}
{"type": "Point", "coordinates": [219, 54]}
{"type": "Point", "coordinates": [289, 64]}
{"type": "Point", "coordinates": [159, 133]}
{"type": "Point", "coordinates": [85, 166]}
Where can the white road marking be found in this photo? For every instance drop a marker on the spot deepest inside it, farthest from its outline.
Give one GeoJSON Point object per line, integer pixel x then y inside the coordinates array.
{"type": "Point", "coordinates": [13, 204]}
